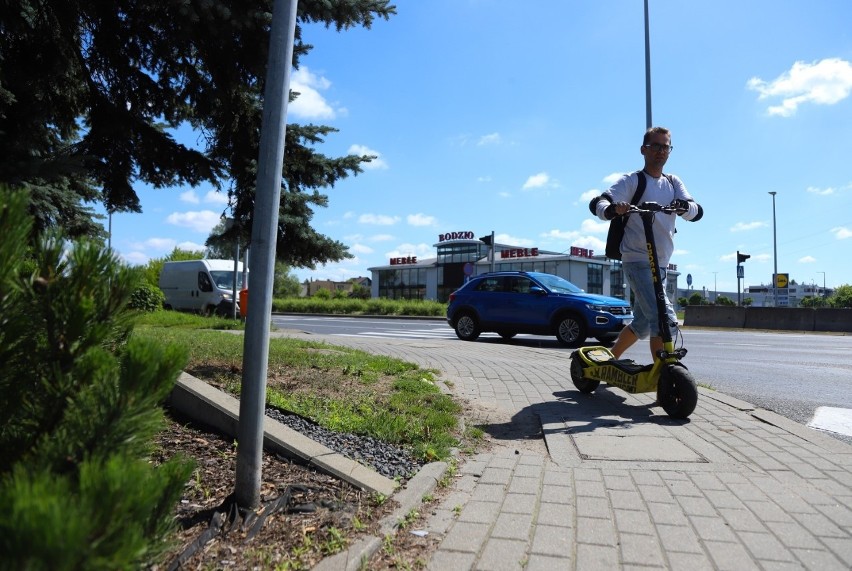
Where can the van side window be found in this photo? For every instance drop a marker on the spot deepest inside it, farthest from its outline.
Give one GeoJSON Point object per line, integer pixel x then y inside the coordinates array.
{"type": "Point", "coordinates": [204, 282]}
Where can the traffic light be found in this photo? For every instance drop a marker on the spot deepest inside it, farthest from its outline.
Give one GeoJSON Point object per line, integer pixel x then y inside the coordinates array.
{"type": "Point", "coordinates": [742, 257]}
{"type": "Point", "coordinates": [486, 240]}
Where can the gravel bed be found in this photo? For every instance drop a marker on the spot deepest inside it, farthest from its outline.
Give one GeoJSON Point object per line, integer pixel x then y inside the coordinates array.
{"type": "Point", "coordinates": [388, 460]}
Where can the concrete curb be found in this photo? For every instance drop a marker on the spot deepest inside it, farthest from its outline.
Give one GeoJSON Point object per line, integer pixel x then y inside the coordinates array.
{"type": "Point", "coordinates": [201, 402]}
{"type": "Point", "coordinates": [409, 498]}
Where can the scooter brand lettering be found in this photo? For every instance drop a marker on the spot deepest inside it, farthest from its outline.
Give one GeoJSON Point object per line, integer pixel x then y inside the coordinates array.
{"type": "Point", "coordinates": [653, 260]}
{"type": "Point", "coordinates": [613, 376]}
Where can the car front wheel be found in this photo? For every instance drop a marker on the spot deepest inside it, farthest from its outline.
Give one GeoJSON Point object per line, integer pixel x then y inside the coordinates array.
{"type": "Point", "coordinates": [571, 331]}
{"type": "Point", "coordinates": [467, 329]}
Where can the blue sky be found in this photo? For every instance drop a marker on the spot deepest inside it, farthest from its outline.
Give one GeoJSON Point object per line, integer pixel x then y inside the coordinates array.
{"type": "Point", "coordinates": [509, 116]}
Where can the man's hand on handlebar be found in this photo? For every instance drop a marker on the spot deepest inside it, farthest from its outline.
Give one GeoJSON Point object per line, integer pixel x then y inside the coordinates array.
{"type": "Point", "coordinates": [679, 205]}
{"type": "Point", "coordinates": [617, 209]}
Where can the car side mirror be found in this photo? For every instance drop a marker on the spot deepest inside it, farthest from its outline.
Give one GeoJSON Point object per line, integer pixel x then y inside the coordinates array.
{"type": "Point", "coordinates": [537, 290]}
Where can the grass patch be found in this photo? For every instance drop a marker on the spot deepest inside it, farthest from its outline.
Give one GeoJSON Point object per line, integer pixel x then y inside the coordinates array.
{"type": "Point", "coordinates": [340, 388]}
{"type": "Point", "coordinates": [183, 320]}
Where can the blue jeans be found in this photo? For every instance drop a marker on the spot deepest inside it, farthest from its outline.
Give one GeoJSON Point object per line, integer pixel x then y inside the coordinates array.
{"type": "Point", "coordinates": [645, 320]}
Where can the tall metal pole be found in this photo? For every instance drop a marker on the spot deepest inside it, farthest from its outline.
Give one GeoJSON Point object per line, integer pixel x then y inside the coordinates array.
{"type": "Point", "coordinates": [774, 255]}
{"type": "Point", "coordinates": [263, 239]}
{"type": "Point", "coordinates": [648, 123]}
{"type": "Point", "coordinates": [823, 283]}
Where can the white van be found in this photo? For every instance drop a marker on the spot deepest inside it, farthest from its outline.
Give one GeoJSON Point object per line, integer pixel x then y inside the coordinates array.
{"type": "Point", "coordinates": [203, 286]}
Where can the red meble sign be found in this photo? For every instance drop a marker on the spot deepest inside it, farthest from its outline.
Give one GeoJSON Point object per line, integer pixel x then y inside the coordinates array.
{"type": "Point", "coordinates": [403, 260]}
{"type": "Point", "coordinates": [519, 253]}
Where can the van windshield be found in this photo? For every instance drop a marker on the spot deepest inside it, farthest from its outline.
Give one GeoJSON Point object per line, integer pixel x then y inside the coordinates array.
{"type": "Point", "coordinates": [225, 280]}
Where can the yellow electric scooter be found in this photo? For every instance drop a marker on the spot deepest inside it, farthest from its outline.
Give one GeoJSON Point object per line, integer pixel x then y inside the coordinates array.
{"type": "Point", "coordinates": [677, 392]}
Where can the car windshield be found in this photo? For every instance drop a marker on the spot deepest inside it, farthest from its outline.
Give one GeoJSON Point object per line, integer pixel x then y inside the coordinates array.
{"type": "Point", "coordinates": [557, 284]}
{"type": "Point", "coordinates": [225, 280]}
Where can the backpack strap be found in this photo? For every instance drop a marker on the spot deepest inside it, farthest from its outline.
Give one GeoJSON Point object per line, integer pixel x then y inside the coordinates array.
{"type": "Point", "coordinates": [640, 189]}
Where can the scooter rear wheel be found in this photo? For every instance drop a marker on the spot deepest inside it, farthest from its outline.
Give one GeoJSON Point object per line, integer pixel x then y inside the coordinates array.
{"type": "Point", "coordinates": [582, 384]}
{"type": "Point", "coordinates": [677, 392]}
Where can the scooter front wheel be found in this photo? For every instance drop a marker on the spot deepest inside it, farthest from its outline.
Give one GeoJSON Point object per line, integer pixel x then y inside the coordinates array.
{"type": "Point", "coordinates": [583, 385]}
{"type": "Point", "coordinates": [677, 392]}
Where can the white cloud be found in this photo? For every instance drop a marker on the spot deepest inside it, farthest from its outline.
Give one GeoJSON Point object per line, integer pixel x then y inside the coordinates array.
{"type": "Point", "coordinates": [377, 163]}
{"type": "Point", "coordinates": [421, 220]}
{"type": "Point", "coordinates": [483, 179]}
{"type": "Point", "coordinates": [192, 246]}
{"type": "Point", "coordinates": [360, 249]}
{"type": "Point", "coordinates": [508, 239]}
{"type": "Point", "coordinates": [136, 258]}
{"type": "Point", "coordinates": [419, 250]}
{"type": "Point", "coordinates": [490, 139]}
{"type": "Point", "coordinates": [594, 226]}
{"type": "Point", "coordinates": [746, 226]}
{"type": "Point", "coordinates": [821, 191]}
{"type": "Point", "coordinates": [190, 197]}
{"type": "Point", "coordinates": [539, 180]}
{"type": "Point", "coordinates": [310, 104]}
{"type": "Point", "coordinates": [613, 178]}
{"type": "Point", "coordinates": [200, 221]}
{"type": "Point", "coordinates": [824, 82]}
{"type": "Point", "coordinates": [378, 219]}
{"type": "Point", "coordinates": [560, 235]}
{"type": "Point", "coordinates": [841, 232]}
{"type": "Point", "coordinates": [156, 244]}
{"type": "Point", "coordinates": [807, 260]}
{"type": "Point", "coordinates": [382, 238]}
{"type": "Point", "coordinates": [216, 197]}
{"type": "Point", "coordinates": [589, 195]}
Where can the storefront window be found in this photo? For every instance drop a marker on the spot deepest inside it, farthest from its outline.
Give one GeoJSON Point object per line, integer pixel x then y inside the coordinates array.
{"type": "Point", "coordinates": [595, 279]}
{"type": "Point", "coordinates": [409, 283]}
{"type": "Point", "coordinates": [616, 281]}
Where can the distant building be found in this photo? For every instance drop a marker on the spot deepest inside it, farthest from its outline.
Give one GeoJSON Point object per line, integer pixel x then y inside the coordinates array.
{"type": "Point", "coordinates": [461, 255]}
{"type": "Point", "coordinates": [311, 287]}
{"type": "Point", "coordinates": [761, 295]}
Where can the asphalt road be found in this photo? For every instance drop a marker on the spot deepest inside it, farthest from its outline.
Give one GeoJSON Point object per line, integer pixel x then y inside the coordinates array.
{"type": "Point", "coordinates": [792, 374]}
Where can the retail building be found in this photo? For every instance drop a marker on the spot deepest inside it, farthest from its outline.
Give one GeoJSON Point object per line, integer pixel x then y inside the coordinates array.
{"type": "Point", "coordinates": [461, 255]}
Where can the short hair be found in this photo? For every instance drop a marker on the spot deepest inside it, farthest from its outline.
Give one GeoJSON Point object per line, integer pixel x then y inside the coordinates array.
{"type": "Point", "coordinates": [653, 130]}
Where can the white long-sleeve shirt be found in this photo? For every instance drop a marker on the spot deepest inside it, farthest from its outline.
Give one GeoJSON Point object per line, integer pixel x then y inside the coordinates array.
{"type": "Point", "coordinates": [661, 190]}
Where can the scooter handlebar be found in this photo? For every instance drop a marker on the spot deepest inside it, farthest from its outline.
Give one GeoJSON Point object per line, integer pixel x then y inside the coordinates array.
{"type": "Point", "coordinates": [676, 207]}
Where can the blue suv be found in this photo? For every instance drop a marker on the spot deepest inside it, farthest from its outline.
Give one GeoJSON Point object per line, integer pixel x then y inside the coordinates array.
{"type": "Point", "coordinates": [536, 303]}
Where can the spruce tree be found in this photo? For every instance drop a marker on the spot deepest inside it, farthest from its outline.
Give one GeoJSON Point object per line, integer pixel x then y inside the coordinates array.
{"type": "Point", "coordinates": [80, 402]}
{"type": "Point", "coordinates": [89, 91]}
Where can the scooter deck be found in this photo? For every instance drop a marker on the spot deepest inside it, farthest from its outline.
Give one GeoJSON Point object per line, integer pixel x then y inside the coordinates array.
{"type": "Point", "coordinates": [600, 364]}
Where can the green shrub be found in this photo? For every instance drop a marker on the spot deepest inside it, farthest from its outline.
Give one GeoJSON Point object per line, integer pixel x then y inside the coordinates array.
{"type": "Point", "coordinates": [81, 402]}
{"type": "Point", "coordinates": [146, 298]}
{"type": "Point", "coordinates": [322, 294]}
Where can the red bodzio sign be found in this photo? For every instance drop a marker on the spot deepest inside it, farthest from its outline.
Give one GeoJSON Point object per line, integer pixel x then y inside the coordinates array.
{"type": "Point", "coordinates": [455, 236]}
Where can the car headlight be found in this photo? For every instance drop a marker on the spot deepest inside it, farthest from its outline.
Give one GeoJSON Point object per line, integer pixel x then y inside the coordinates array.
{"type": "Point", "coordinates": [227, 296]}
{"type": "Point", "coordinates": [596, 307]}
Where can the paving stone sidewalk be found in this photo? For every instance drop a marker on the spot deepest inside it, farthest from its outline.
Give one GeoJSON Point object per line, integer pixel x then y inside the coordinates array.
{"type": "Point", "coordinates": [606, 481]}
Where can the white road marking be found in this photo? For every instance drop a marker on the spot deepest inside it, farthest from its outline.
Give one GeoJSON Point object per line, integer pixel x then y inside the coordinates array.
{"type": "Point", "coordinates": [832, 419]}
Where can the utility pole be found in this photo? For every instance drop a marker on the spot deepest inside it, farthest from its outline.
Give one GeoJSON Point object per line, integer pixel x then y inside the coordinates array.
{"type": "Point", "coordinates": [648, 122]}
{"type": "Point", "coordinates": [774, 255]}
{"type": "Point", "coordinates": [263, 239]}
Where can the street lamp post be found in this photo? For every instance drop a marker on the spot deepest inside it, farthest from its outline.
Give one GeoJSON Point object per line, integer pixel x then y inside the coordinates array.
{"type": "Point", "coordinates": [823, 283]}
{"type": "Point", "coordinates": [774, 255]}
{"type": "Point", "coordinates": [648, 122]}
